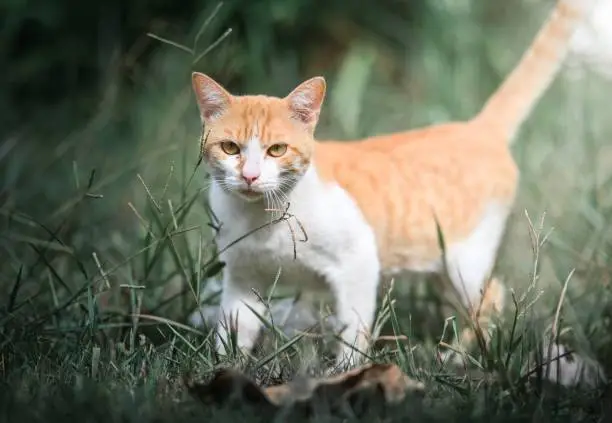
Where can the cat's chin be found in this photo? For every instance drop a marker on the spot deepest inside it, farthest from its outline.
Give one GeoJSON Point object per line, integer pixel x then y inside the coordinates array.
{"type": "Point", "coordinates": [249, 195]}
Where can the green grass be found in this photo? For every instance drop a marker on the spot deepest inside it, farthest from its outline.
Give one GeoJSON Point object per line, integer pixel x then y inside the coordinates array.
{"type": "Point", "coordinates": [105, 240]}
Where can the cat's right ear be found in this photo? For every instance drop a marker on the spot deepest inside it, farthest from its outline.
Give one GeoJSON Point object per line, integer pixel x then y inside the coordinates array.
{"type": "Point", "coordinates": [213, 100]}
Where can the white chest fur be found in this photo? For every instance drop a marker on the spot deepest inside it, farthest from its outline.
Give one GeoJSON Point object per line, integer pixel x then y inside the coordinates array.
{"type": "Point", "coordinates": [318, 233]}
{"type": "Point", "coordinates": [338, 256]}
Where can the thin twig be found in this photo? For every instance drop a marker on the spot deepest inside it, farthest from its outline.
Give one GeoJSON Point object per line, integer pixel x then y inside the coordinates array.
{"type": "Point", "coordinates": [286, 216]}
{"type": "Point", "coordinates": [102, 272]}
{"type": "Point", "coordinates": [149, 193]}
{"type": "Point", "coordinates": [555, 325]}
{"type": "Point", "coordinates": [213, 45]}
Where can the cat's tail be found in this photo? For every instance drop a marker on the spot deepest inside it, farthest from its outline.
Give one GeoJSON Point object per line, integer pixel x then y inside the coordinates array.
{"type": "Point", "coordinates": [510, 105]}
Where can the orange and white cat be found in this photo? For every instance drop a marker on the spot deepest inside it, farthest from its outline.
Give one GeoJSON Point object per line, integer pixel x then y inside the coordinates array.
{"type": "Point", "coordinates": [368, 207]}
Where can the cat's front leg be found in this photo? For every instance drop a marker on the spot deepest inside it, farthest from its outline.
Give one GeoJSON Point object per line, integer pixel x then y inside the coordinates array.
{"type": "Point", "coordinates": [355, 285]}
{"type": "Point", "coordinates": [238, 301]}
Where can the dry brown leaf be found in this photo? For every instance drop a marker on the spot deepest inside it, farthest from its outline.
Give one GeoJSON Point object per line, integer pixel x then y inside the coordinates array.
{"type": "Point", "coordinates": [373, 383]}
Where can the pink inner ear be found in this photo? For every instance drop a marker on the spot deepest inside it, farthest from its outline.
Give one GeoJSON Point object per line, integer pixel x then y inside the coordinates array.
{"type": "Point", "coordinates": [211, 97]}
{"type": "Point", "coordinates": [210, 110]}
{"type": "Point", "coordinates": [304, 106]}
{"type": "Point", "coordinates": [212, 102]}
{"type": "Point", "coordinates": [305, 101]}
{"type": "Point", "coordinates": [304, 114]}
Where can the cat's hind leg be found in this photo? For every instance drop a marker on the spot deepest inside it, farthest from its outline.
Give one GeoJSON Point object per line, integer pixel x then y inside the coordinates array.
{"type": "Point", "coordinates": [469, 263]}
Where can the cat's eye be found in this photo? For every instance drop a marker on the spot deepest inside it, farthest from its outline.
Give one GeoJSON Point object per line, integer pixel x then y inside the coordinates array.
{"type": "Point", "coordinates": [230, 148]}
{"type": "Point", "coordinates": [277, 150]}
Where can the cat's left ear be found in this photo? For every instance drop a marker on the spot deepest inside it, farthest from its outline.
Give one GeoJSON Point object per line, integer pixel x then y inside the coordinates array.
{"type": "Point", "coordinates": [306, 99]}
{"type": "Point", "coordinates": [213, 99]}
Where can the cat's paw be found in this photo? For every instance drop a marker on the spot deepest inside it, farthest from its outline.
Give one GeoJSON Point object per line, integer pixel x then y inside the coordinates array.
{"type": "Point", "coordinates": [569, 368]}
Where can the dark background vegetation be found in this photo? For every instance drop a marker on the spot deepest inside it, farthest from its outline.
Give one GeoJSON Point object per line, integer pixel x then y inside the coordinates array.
{"type": "Point", "coordinates": [63, 52]}
{"type": "Point", "coordinates": [103, 216]}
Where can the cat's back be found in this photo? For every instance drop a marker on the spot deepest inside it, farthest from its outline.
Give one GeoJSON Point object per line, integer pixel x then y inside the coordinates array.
{"type": "Point", "coordinates": [453, 170]}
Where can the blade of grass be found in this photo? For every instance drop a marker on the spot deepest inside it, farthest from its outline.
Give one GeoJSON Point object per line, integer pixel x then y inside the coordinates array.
{"type": "Point", "coordinates": [170, 42]}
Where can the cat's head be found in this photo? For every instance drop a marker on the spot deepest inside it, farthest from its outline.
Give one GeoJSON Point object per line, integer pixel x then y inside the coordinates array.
{"type": "Point", "coordinates": [256, 146]}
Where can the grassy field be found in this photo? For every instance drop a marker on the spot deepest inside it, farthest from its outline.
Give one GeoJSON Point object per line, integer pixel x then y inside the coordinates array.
{"type": "Point", "coordinates": [105, 241]}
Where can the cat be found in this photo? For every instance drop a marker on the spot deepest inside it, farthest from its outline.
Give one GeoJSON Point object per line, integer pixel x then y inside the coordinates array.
{"type": "Point", "coordinates": [368, 208]}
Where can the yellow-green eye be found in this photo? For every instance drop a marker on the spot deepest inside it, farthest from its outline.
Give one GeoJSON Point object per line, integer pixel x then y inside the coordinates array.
{"type": "Point", "coordinates": [230, 148]}
{"type": "Point", "coordinates": [277, 150]}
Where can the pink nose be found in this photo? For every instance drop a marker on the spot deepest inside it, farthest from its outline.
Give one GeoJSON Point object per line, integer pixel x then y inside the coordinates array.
{"type": "Point", "coordinates": [250, 178]}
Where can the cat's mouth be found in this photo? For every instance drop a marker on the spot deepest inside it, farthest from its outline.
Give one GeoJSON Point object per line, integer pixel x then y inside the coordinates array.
{"type": "Point", "coordinates": [250, 194]}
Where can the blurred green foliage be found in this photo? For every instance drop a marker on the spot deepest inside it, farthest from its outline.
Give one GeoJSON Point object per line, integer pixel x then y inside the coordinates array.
{"type": "Point", "coordinates": [65, 50]}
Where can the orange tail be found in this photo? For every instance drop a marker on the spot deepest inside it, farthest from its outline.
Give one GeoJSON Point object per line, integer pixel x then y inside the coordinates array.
{"type": "Point", "coordinates": [510, 105]}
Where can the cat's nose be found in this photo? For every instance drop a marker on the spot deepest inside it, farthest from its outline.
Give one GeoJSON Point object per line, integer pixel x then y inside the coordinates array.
{"type": "Point", "coordinates": [250, 178]}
